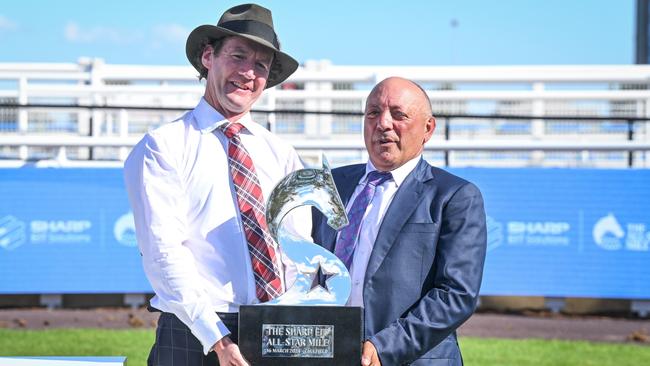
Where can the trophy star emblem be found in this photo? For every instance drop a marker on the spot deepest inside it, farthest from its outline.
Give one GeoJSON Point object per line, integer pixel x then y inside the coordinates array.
{"type": "Point", "coordinates": [320, 278]}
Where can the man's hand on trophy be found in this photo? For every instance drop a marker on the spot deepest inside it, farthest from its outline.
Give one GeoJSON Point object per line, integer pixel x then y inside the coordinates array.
{"type": "Point", "coordinates": [369, 355]}
{"type": "Point", "coordinates": [228, 353]}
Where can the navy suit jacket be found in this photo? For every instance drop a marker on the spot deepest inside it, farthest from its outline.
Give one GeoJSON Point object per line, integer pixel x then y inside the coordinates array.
{"type": "Point", "coordinates": [425, 269]}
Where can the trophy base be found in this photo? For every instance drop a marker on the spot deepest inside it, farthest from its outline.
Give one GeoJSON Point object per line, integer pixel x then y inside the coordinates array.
{"type": "Point", "coordinates": [300, 335]}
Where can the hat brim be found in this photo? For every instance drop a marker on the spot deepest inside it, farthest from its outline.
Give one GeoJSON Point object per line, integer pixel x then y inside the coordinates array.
{"type": "Point", "coordinates": [283, 64]}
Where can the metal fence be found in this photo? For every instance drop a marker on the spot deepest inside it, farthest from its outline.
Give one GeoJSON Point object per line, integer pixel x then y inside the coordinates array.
{"type": "Point", "coordinates": [516, 116]}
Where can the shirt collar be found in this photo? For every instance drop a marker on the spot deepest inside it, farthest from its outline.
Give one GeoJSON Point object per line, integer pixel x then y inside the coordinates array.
{"type": "Point", "coordinates": [399, 174]}
{"type": "Point", "coordinates": [209, 119]}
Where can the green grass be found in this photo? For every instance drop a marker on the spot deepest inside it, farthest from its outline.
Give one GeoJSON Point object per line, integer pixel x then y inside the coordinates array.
{"type": "Point", "coordinates": [538, 352]}
{"type": "Point", "coordinates": [135, 345]}
{"type": "Point", "coordinates": [132, 343]}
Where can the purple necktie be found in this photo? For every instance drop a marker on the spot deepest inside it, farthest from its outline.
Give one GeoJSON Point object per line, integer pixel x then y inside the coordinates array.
{"type": "Point", "coordinates": [348, 237]}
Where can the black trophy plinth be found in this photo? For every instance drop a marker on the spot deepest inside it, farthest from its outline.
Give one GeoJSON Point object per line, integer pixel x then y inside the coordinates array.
{"type": "Point", "coordinates": [300, 335]}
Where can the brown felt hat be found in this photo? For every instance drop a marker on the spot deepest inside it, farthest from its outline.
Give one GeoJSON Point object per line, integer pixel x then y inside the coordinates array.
{"type": "Point", "coordinates": [249, 21]}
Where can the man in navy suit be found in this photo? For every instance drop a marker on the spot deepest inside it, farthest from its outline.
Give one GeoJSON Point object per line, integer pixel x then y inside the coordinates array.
{"type": "Point", "coordinates": [416, 243]}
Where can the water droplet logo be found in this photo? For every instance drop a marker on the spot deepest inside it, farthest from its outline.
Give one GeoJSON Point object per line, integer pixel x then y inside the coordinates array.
{"type": "Point", "coordinates": [608, 233]}
{"type": "Point", "coordinates": [124, 230]}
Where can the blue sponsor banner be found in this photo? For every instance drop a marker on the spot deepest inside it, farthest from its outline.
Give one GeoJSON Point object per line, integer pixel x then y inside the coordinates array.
{"type": "Point", "coordinates": [551, 232]}
{"type": "Point", "coordinates": [566, 232]}
{"type": "Point", "coordinates": [67, 231]}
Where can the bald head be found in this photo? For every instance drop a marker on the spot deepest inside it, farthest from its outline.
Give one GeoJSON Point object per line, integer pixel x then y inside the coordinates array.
{"type": "Point", "coordinates": [422, 99]}
{"type": "Point", "coordinates": [397, 123]}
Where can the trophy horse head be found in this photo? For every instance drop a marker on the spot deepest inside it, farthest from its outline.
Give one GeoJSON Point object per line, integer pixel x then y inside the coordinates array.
{"type": "Point", "coordinates": [309, 187]}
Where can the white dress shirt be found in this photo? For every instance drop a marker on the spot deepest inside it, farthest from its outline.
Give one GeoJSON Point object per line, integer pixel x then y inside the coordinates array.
{"type": "Point", "coordinates": [188, 226]}
{"type": "Point", "coordinates": [371, 222]}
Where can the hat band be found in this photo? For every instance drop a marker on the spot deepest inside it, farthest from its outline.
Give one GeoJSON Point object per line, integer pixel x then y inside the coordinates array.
{"type": "Point", "coordinates": [253, 28]}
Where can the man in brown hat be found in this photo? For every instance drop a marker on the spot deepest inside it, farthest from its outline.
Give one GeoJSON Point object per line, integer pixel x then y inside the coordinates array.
{"type": "Point", "coordinates": [197, 187]}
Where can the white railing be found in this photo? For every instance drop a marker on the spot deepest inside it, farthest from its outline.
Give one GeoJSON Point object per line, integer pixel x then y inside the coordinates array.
{"type": "Point", "coordinates": [83, 129]}
{"type": "Point", "coordinates": [334, 145]}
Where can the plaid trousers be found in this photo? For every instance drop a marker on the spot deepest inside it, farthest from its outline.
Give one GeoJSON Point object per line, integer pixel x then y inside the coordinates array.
{"type": "Point", "coordinates": [176, 345]}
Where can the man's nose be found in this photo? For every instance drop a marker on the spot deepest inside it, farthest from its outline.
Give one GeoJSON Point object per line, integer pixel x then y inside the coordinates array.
{"type": "Point", "coordinates": [248, 70]}
{"type": "Point", "coordinates": [385, 121]}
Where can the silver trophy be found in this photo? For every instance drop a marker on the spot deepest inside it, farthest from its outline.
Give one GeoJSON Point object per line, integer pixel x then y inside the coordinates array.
{"type": "Point", "coordinates": [308, 324]}
{"type": "Point", "coordinates": [322, 278]}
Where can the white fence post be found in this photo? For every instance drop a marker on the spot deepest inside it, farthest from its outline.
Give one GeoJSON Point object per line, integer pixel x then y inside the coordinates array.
{"type": "Point", "coordinates": [538, 126]}
{"type": "Point", "coordinates": [23, 115]}
{"type": "Point", "coordinates": [124, 132]}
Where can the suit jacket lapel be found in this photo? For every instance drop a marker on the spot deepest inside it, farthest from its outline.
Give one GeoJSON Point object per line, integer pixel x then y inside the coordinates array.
{"type": "Point", "coordinates": [349, 181]}
{"type": "Point", "coordinates": [406, 199]}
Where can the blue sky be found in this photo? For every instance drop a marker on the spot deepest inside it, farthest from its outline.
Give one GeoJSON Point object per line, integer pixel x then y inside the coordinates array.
{"type": "Point", "coordinates": [347, 32]}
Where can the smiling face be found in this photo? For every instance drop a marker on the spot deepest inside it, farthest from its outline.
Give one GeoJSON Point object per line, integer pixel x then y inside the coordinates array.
{"type": "Point", "coordinates": [397, 123]}
{"type": "Point", "coordinates": [237, 75]}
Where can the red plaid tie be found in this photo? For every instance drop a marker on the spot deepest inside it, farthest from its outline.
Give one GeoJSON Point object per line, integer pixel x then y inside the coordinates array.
{"type": "Point", "coordinates": [251, 206]}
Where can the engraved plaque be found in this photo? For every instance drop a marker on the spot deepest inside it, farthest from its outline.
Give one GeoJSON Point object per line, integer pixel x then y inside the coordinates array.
{"type": "Point", "coordinates": [298, 340]}
{"type": "Point", "coordinates": [281, 335]}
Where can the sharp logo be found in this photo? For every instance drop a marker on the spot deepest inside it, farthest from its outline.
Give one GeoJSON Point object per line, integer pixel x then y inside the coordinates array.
{"type": "Point", "coordinates": [608, 233]}
{"type": "Point", "coordinates": [12, 233]}
{"type": "Point", "coordinates": [124, 230]}
{"type": "Point", "coordinates": [60, 226]}
{"type": "Point", "coordinates": [538, 227]}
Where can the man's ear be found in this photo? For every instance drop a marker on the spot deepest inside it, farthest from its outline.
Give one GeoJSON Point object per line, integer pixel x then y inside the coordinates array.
{"type": "Point", "coordinates": [206, 57]}
{"type": "Point", "coordinates": [429, 127]}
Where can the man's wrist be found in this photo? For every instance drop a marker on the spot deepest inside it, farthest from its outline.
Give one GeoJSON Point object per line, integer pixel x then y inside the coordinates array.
{"type": "Point", "coordinates": [221, 344]}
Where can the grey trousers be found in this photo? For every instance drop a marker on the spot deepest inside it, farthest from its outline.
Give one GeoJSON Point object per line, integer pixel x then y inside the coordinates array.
{"type": "Point", "coordinates": [176, 345]}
